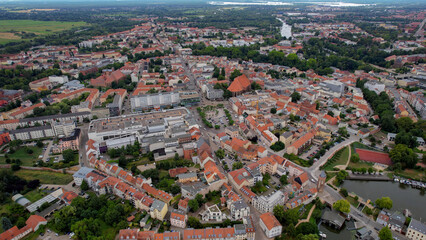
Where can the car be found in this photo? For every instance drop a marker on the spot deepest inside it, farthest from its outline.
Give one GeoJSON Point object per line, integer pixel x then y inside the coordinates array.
{"type": "Point", "coordinates": [57, 234]}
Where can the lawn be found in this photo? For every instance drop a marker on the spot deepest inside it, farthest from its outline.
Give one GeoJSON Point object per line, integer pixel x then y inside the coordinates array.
{"type": "Point", "coordinates": [352, 201]}
{"type": "Point", "coordinates": [26, 159]}
{"type": "Point", "coordinates": [35, 195]}
{"type": "Point", "coordinates": [45, 177]}
{"type": "Point", "coordinates": [414, 174]}
{"type": "Point", "coordinates": [339, 158]}
{"type": "Point", "coordinates": [10, 30]}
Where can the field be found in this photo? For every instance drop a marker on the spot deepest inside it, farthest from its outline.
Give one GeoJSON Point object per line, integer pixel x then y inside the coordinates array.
{"type": "Point", "coordinates": [339, 158]}
{"type": "Point", "coordinates": [26, 159]}
{"type": "Point", "coordinates": [45, 177]}
{"type": "Point", "coordinates": [10, 30]}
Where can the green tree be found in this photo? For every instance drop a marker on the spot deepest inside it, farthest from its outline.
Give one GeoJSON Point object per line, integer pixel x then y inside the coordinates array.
{"type": "Point", "coordinates": [273, 110]}
{"type": "Point", "coordinates": [237, 165]}
{"type": "Point", "coordinates": [84, 186]}
{"type": "Point", "coordinates": [342, 205]}
{"type": "Point", "coordinates": [341, 176]}
{"type": "Point", "coordinates": [39, 144]}
{"type": "Point", "coordinates": [193, 205]}
{"type": "Point", "coordinates": [291, 216]}
{"type": "Point", "coordinates": [403, 155]}
{"type": "Point", "coordinates": [404, 124]}
{"type": "Point", "coordinates": [306, 228]}
{"type": "Point", "coordinates": [279, 213]}
{"type": "Point", "coordinates": [283, 180]}
{"type": "Point", "coordinates": [355, 158]}
{"type": "Point", "coordinates": [6, 224]}
{"type": "Point", "coordinates": [295, 96]}
{"type": "Point", "coordinates": [234, 74]}
{"type": "Point", "coordinates": [220, 153]}
{"type": "Point", "coordinates": [385, 234]}
{"type": "Point", "coordinates": [122, 161]}
{"type": "Point", "coordinates": [68, 155]}
{"type": "Point", "coordinates": [384, 202]}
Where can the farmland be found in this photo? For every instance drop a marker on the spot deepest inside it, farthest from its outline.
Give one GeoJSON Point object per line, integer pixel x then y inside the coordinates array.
{"type": "Point", "coordinates": [15, 30]}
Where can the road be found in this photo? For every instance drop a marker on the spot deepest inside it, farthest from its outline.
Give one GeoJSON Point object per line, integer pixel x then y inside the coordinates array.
{"type": "Point", "coordinates": [82, 146]}
{"type": "Point", "coordinates": [314, 169]}
{"type": "Point", "coordinates": [47, 152]}
{"type": "Point", "coordinates": [421, 32]}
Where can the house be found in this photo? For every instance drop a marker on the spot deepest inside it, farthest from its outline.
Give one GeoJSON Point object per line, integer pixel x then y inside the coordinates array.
{"type": "Point", "coordinates": [178, 218]}
{"type": "Point", "coordinates": [240, 85]}
{"type": "Point", "coordinates": [239, 210]}
{"type": "Point", "coordinates": [32, 224]}
{"type": "Point", "coordinates": [158, 209]}
{"type": "Point", "coordinates": [333, 218]}
{"type": "Point", "coordinates": [81, 174]}
{"type": "Point", "coordinates": [212, 213]}
{"type": "Point", "coordinates": [383, 218]}
{"type": "Point", "coordinates": [396, 222]}
{"type": "Point", "coordinates": [67, 197]}
{"type": "Point", "coordinates": [187, 177]}
{"type": "Point", "coordinates": [270, 225]}
{"type": "Point", "coordinates": [300, 144]}
{"type": "Point", "coordinates": [416, 230]}
{"type": "Point", "coordinates": [183, 204]}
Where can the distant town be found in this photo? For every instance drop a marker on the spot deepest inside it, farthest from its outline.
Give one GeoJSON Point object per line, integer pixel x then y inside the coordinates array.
{"type": "Point", "coordinates": [215, 121]}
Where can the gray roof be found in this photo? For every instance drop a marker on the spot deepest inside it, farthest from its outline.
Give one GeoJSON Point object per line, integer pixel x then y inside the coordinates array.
{"type": "Point", "coordinates": [51, 117]}
{"type": "Point", "coordinates": [31, 129]}
{"type": "Point", "coordinates": [194, 188]}
{"type": "Point", "coordinates": [157, 204]}
{"type": "Point", "coordinates": [417, 226]}
{"type": "Point", "coordinates": [334, 217]}
{"type": "Point", "coordinates": [240, 205]}
{"type": "Point", "coordinates": [82, 172]}
{"type": "Point", "coordinates": [187, 175]}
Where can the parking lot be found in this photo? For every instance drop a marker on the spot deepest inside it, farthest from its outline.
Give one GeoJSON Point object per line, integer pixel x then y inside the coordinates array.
{"type": "Point", "coordinates": [50, 235]}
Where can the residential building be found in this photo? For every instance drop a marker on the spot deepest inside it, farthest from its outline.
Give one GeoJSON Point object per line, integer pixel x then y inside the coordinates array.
{"type": "Point", "coordinates": [416, 230]}
{"type": "Point", "coordinates": [270, 225]}
{"type": "Point", "coordinates": [239, 210]}
{"type": "Point", "coordinates": [267, 203]}
{"type": "Point", "coordinates": [157, 101]}
{"type": "Point", "coordinates": [212, 213]}
{"type": "Point", "coordinates": [178, 218]}
{"type": "Point", "coordinates": [158, 210]}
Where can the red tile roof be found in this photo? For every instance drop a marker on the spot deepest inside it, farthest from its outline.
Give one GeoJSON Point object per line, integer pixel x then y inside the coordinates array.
{"type": "Point", "coordinates": [240, 84]}
{"type": "Point", "coordinates": [269, 220]}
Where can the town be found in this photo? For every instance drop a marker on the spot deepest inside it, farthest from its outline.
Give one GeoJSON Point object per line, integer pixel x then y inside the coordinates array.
{"type": "Point", "coordinates": [311, 126]}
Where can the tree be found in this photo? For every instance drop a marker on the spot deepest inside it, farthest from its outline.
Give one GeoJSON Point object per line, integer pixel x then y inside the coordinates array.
{"type": "Point", "coordinates": [176, 158]}
{"type": "Point", "coordinates": [291, 230]}
{"type": "Point", "coordinates": [344, 192]}
{"type": "Point", "coordinates": [193, 205]}
{"type": "Point", "coordinates": [68, 155]}
{"type": "Point", "coordinates": [342, 205]}
{"type": "Point", "coordinates": [279, 213]}
{"type": "Point", "coordinates": [194, 222]}
{"type": "Point", "coordinates": [385, 234]}
{"type": "Point", "coordinates": [283, 180]}
{"type": "Point", "coordinates": [237, 165]}
{"type": "Point", "coordinates": [273, 110]}
{"type": "Point", "coordinates": [220, 153]}
{"type": "Point", "coordinates": [277, 146]}
{"type": "Point", "coordinates": [355, 158]}
{"type": "Point", "coordinates": [291, 216]}
{"type": "Point", "coordinates": [6, 224]}
{"type": "Point", "coordinates": [295, 96]}
{"type": "Point", "coordinates": [84, 186]}
{"type": "Point", "coordinates": [404, 124]}
{"type": "Point", "coordinates": [306, 228]}
{"type": "Point", "coordinates": [343, 131]}
{"type": "Point", "coordinates": [39, 144]}
{"type": "Point", "coordinates": [234, 74]}
{"type": "Point", "coordinates": [341, 176]}
{"type": "Point", "coordinates": [403, 155]}
{"type": "Point", "coordinates": [384, 202]}
{"type": "Point", "coordinates": [122, 161]}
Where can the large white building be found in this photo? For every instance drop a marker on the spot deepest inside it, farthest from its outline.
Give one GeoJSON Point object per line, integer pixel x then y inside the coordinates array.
{"type": "Point", "coordinates": [270, 225]}
{"type": "Point", "coordinates": [239, 209]}
{"type": "Point", "coordinates": [267, 203]}
{"type": "Point", "coordinates": [154, 101]}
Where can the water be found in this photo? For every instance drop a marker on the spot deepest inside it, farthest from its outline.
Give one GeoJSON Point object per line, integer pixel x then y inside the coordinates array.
{"type": "Point", "coordinates": [285, 29]}
{"type": "Point", "coordinates": [403, 196]}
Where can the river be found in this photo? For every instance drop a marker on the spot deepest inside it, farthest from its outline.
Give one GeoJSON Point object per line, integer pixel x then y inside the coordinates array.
{"type": "Point", "coordinates": [403, 196]}
{"type": "Point", "coordinates": [285, 29]}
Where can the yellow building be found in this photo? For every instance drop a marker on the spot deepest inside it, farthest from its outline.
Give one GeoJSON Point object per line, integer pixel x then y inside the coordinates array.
{"type": "Point", "coordinates": [158, 210]}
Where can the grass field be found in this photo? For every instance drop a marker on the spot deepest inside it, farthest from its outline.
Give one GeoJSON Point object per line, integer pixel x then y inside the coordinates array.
{"type": "Point", "coordinates": [26, 159]}
{"type": "Point", "coordinates": [45, 177]}
{"type": "Point", "coordinates": [10, 29]}
{"type": "Point", "coordinates": [339, 158]}
{"type": "Point", "coordinates": [35, 195]}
